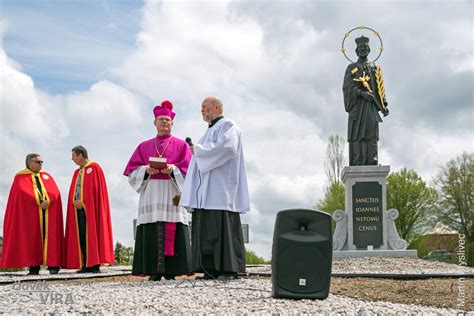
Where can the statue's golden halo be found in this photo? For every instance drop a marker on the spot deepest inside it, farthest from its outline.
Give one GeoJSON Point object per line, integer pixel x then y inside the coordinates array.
{"type": "Point", "coordinates": [362, 27]}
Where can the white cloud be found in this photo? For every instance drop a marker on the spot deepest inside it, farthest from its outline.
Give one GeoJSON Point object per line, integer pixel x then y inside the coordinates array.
{"type": "Point", "coordinates": [105, 104]}
{"type": "Point", "coordinates": [423, 149]}
{"type": "Point", "coordinates": [188, 50]}
{"type": "Point", "coordinates": [29, 121]}
{"type": "Point", "coordinates": [23, 114]}
{"type": "Point", "coordinates": [457, 43]}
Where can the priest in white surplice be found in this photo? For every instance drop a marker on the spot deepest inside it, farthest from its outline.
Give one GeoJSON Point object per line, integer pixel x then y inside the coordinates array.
{"type": "Point", "coordinates": [216, 192]}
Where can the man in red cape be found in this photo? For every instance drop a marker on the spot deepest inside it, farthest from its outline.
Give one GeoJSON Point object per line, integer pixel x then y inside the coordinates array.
{"type": "Point", "coordinates": [88, 225]}
{"type": "Point", "coordinates": [33, 226]}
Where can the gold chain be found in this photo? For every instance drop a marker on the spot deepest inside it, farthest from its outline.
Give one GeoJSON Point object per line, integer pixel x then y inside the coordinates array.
{"type": "Point", "coordinates": [156, 148]}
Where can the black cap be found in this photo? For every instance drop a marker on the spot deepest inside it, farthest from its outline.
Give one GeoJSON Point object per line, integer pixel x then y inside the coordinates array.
{"type": "Point", "coordinates": [362, 40]}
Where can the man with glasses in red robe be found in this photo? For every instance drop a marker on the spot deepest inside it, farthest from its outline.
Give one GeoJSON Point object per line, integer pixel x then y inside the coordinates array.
{"type": "Point", "coordinates": [33, 225]}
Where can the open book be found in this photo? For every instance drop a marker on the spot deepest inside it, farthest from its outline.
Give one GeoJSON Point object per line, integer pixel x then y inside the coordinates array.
{"type": "Point", "coordinates": [157, 162]}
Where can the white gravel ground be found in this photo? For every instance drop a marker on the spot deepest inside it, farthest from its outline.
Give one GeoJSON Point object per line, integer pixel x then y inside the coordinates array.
{"type": "Point", "coordinates": [243, 296]}
{"type": "Point", "coordinates": [379, 265]}
{"type": "Point", "coordinates": [63, 273]}
{"type": "Point", "coordinates": [370, 265]}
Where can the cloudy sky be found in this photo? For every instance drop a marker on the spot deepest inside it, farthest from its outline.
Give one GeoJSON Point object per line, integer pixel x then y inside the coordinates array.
{"type": "Point", "coordinates": [89, 72]}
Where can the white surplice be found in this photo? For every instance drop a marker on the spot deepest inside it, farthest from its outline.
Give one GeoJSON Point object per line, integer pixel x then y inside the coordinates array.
{"type": "Point", "coordinates": [216, 178]}
{"type": "Point", "coordinates": [156, 198]}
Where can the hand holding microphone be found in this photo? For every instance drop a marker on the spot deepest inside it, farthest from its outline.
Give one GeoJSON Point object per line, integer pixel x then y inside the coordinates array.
{"type": "Point", "coordinates": [190, 143]}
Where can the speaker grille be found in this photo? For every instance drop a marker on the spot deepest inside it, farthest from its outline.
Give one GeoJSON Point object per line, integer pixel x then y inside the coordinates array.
{"type": "Point", "coordinates": [302, 268]}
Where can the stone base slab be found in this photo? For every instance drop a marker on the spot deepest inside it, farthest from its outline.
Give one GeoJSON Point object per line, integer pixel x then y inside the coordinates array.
{"type": "Point", "coordinates": [373, 253]}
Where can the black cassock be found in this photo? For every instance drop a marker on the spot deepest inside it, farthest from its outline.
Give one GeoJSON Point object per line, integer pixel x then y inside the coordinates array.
{"type": "Point", "coordinates": [217, 242]}
{"type": "Point", "coordinates": [149, 257]}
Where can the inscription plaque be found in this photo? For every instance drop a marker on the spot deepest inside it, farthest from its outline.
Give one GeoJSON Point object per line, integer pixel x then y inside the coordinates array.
{"type": "Point", "coordinates": [367, 214]}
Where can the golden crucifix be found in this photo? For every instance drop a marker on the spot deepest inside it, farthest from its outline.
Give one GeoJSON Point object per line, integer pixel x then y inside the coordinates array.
{"type": "Point", "coordinates": [365, 81]}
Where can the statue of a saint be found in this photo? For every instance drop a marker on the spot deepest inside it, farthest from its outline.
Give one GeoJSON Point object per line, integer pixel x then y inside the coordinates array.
{"type": "Point", "coordinates": [364, 97]}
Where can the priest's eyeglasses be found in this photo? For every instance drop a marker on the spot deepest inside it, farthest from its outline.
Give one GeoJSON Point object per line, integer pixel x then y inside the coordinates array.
{"type": "Point", "coordinates": [38, 161]}
{"type": "Point", "coordinates": [164, 119]}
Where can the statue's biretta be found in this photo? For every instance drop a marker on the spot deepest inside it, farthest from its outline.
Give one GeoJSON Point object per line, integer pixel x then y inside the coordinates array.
{"type": "Point", "coordinates": [362, 40]}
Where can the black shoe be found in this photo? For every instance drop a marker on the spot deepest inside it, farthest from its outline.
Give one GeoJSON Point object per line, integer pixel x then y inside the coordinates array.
{"type": "Point", "coordinates": [227, 276]}
{"type": "Point", "coordinates": [83, 270]}
{"type": "Point", "coordinates": [53, 270]}
{"type": "Point", "coordinates": [155, 277]}
{"type": "Point", "coordinates": [170, 277]}
{"type": "Point", "coordinates": [95, 269]}
{"type": "Point", "coordinates": [34, 270]}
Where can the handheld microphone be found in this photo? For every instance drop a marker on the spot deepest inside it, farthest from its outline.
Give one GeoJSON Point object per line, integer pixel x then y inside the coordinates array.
{"type": "Point", "coordinates": [189, 141]}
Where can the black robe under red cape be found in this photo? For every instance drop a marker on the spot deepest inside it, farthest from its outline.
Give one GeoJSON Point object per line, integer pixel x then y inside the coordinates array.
{"type": "Point", "coordinates": [99, 241]}
{"type": "Point", "coordinates": [23, 225]}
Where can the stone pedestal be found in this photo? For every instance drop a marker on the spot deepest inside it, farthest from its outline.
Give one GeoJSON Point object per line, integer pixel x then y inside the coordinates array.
{"type": "Point", "coordinates": [366, 227]}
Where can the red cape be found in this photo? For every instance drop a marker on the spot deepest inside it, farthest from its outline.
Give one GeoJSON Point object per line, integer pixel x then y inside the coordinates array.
{"type": "Point", "coordinates": [22, 240]}
{"type": "Point", "coordinates": [99, 228]}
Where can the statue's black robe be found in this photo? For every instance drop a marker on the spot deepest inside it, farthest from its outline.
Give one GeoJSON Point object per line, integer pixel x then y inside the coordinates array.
{"type": "Point", "coordinates": [364, 119]}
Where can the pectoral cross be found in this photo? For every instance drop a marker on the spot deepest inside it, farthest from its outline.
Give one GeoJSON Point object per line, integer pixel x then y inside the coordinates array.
{"type": "Point", "coordinates": [364, 79]}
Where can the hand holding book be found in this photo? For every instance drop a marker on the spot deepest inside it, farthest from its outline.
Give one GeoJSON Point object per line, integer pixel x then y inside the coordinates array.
{"type": "Point", "coordinates": [168, 170]}
{"type": "Point", "coordinates": [157, 163]}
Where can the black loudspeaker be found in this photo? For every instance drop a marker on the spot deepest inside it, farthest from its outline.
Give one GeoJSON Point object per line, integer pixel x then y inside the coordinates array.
{"type": "Point", "coordinates": [302, 254]}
